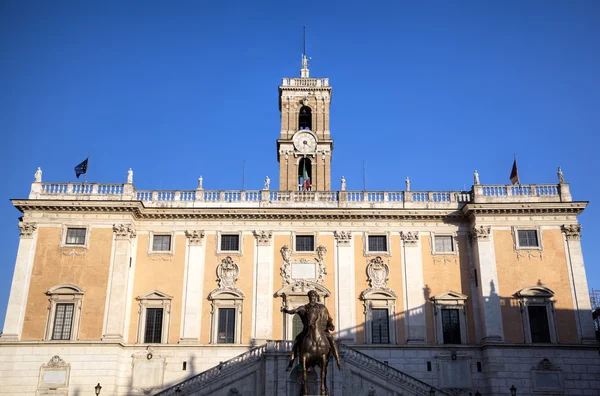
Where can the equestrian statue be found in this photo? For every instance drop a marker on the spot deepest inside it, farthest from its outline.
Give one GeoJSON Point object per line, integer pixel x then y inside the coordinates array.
{"type": "Point", "coordinates": [315, 344]}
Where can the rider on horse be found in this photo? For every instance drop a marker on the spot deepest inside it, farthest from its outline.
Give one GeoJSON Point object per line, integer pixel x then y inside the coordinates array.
{"type": "Point", "coordinates": [303, 312]}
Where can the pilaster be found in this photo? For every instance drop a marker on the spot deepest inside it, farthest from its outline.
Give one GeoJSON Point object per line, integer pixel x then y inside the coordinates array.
{"type": "Point", "coordinates": [488, 291]}
{"type": "Point", "coordinates": [17, 301]}
{"type": "Point", "coordinates": [579, 286]}
{"type": "Point", "coordinates": [118, 284]}
{"type": "Point", "coordinates": [344, 285]}
{"type": "Point", "coordinates": [414, 299]}
{"type": "Point", "coordinates": [193, 288]}
{"type": "Point", "coordinates": [263, 295]}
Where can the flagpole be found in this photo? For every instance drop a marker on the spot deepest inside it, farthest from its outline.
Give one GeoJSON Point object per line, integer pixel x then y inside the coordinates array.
{"type": "Point", "coordinates": [86, 168]}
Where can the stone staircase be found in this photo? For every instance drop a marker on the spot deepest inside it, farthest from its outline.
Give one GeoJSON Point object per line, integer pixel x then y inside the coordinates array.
{"type": "Point", "coordinates": [262, 371]}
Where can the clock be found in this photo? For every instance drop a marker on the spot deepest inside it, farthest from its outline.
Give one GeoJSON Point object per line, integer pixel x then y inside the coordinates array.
{"type": "Point", "coordinates": [305, 142]}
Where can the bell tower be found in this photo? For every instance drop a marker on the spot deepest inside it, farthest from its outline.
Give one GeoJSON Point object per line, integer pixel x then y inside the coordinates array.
{"type": "Point", "coordinates": [304, 146]}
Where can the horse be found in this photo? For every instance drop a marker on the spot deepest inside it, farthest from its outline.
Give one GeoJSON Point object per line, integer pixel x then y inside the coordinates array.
{"type": "Point", "coordinates": [315, 349]}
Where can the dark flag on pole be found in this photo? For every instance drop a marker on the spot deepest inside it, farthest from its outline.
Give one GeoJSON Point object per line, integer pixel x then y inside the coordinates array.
{"type": "Point", "coordinates": [514, 174]}
{"type": "Point", "coordinates": [81, 169]}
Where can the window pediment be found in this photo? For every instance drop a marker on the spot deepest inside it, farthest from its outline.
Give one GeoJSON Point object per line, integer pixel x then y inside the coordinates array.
{"type": "Point", "coordinates": [378, 294]}
{"type": "Point", "coordinates": [449, 296]}
{"type": "Point", "coordinates": [155, 295]}
{"type": "Point", "coordinates": [301, 288]}
{"type": "Point", "coordinates": [65, 289]}
{"type": "Point", "coordinates": [535, 291]}
{"type": "Point", "coordinates": [226, 294]}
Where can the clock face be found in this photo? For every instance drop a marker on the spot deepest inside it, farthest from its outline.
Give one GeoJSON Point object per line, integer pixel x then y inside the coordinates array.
{"type": "Point", "coordinates": [305, 142]}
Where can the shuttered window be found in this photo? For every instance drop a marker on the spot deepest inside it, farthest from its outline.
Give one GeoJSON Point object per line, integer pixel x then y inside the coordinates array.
{"type": "Point", "coordinates": [63, 322]}
{"type": "Point", "coordinates": [451, 326]}
{"type": "Point", "coordinates": [380, 326]}
{"type": "Point", "coordinates": [154, 322]}
{"type": "Point", "coordinates": [226, 326]}
{"type": "Point", "coordinates": [538, 323]}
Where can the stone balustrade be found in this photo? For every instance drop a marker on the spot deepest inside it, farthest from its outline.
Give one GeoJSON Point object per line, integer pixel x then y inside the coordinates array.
{"type": "Point", "coordinates": [305, 82]}
{"type": "Point", "coordinates": [270, 198]}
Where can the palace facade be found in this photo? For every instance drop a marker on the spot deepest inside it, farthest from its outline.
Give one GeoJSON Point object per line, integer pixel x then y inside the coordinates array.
{"type": "Point", "coordinates": [452, 292]}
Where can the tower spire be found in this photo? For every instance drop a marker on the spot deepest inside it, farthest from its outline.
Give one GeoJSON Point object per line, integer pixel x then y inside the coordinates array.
{"type": "Point", "coordinates": [304, 72]}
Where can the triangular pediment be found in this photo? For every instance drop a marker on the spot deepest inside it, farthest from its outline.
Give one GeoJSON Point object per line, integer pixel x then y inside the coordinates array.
{"type": "Point", "coordinates": [449, 295]}
{"type": "Point", "coordinates": [378, 294]}
{"type": "Point", "coordinates": [301, 288]}
{"type": "Point", "coordinates": [226, 294]}
{"type": "Point", "coordinates": [65, 289]}
{"type": "Point", "coordinates": [155, 295]}
{"type": "Point", "coordinates": [535, 291]}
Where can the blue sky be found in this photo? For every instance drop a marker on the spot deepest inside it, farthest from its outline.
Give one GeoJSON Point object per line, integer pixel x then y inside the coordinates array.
{"type": "Point", "coordinates": [175, 90]}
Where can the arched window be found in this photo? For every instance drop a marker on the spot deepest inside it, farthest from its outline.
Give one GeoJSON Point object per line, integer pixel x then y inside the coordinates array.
{"type": "Point", "coordinates": [297, 326]}
{"type": "Point", "coordinates": [304, 175]}
{"type": "Point", "coordinates": [305, 118]}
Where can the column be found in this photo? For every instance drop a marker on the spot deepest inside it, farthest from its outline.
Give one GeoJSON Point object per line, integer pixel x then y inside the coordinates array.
{"type": "Point", "coordinates": [17, 301]}
{"type": "Point", "coordinates": [414, 300]}
{"type": "Point", "coordinates": [488, 292]}
{"type": "Point", "coordinates": [344, 286]}
{"type": "Point", "coordinates": [118, 284]}
{"type": "Point", "coordinates": [193, 288]}
{"type": "Point", "coordinates": [262, 315]}
{"type": "Point", "coordinates": [579, 286]}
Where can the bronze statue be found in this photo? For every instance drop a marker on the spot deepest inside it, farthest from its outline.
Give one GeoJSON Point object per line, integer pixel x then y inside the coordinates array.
{"type": "Point", "coordinates": [315, 344]}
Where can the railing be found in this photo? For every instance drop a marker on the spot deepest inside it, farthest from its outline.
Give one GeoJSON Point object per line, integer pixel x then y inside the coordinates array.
{"type": "Point", "coordinates": [392, 199]}
{"type": "Point", "coordinates": [305, 82]}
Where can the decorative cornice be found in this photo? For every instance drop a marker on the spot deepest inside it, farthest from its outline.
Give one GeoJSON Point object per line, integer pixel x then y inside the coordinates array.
{"type": "Point", "coordinates": [480, 233]}
{"type": "Point", "coordinates": [410, 238]}
{"type": "Point", "coordinates": [124, 231]}
{"type": "Point", "coordinates": [26, 230]}
{"type": "Point", "coordinates": [572, 231]}
{"type": "Point", "coordinates": [343, 237]}
{"type": "Point", "coordinates": [195, 237]}
{"type": "Point", "coordinates": [263, 238]}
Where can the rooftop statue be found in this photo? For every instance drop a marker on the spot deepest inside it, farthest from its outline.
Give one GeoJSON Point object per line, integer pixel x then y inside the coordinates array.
{"type": "Point", "coordinates": [314, 345]}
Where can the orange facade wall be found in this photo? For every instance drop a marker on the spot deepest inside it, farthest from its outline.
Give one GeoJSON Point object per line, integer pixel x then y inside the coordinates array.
{"type": "Point", "coordinates": [162, 272]}
{"type": "Point", "coordinates": [446, 272]}
{"type": "Point", "coordinates": [86, 268]}
{"type": "Point", "coordinates": [530, 268]}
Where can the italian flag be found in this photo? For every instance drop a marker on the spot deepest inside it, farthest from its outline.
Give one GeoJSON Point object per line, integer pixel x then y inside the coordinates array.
{"type": "Point", "coordinates": [305, 178]}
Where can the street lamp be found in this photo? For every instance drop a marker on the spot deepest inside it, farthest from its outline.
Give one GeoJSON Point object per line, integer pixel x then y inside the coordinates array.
{"type": "Point", "coordinates": [178, 391]}
{"type": "Point", "coordinates": [431, 392]}
{"type": "Point", "coordinates": [513, 390]}
{"type": "Point", "coordinates": [97, 389]}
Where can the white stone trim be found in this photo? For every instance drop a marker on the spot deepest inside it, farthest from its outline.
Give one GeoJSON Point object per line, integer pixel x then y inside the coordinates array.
{"type": "Point", "coordinates": [388, 243]}
{"type": "Point", "coordinates": [152, 234]}
{"type": "Point", "coordinates": [315, 236]}
{"type": "Point", "coordinates": [226, 299]}
{"type": "Point", "coordinates": [238, 252]}
{"type": "Point", "coordinates": [63, 236]}
{"type": "Point", "coordinates": [64, 294]}
{"type": "Point", "coordinates": [537, 296]}
{"type": "Point", "coordinates": [449, 300]}
{"type": "Point", "coordinates": [154, 299]}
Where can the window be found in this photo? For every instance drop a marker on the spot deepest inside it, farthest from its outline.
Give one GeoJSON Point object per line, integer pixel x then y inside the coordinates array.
{"type": "Point", "coordinates": [451, 326]}
{"type": "Point", "coordinates": [154, 316]}
{"type": "Point", "coordinates": [537, 314]}
{"type": "Point", "coordinates": [75, 236]}
{"type": "Point", "coordinates": [154, 321]}
{"type": "Point", "coordinates": [377, 243]}
{"type": "Point", "coordinates": [64, 313]}
{"type": "Point", "coordinates": [305, 243]}
{"type": "Point", "coordinates": [305, 118]}
{"type": "Point", "coordinates": [161, 243]}
{"type": "Point", "coordinates": [443, 244]}
{"type": "Point", "coordinates": [528, 238]}
{"type": "Point", "coordinates": [538, 323]}
{"type": "Point", "coordinates": [380, 326]}
{"type": "Point", "coordinates": [226, 326]}
{"type": "Point", "coordinates": [450, 318]}
{"type": "Point", "coordinates": [63, 322]}
{"type": "Point", "coordinates": [297, 326]}
{"type": "Point", "coordinates": [230, 242]}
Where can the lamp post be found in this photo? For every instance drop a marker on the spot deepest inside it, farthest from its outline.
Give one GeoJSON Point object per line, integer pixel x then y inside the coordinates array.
{"type": "Point", "coordinates": [431, 392]}
{"type": "Point", "coordinates": [97, 389]}
{"type": "Point", "coordinates": [178, 391]}
{"type": "Point", "coordinates": [513, 390]}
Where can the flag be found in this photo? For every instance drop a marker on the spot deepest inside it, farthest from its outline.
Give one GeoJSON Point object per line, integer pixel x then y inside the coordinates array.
{"type": "Point", "coordinates": [81, 168]}
{"type": "Point", "coordinates": [305, 178]}
{"type": "Point", "coordinates": [514, 174]}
